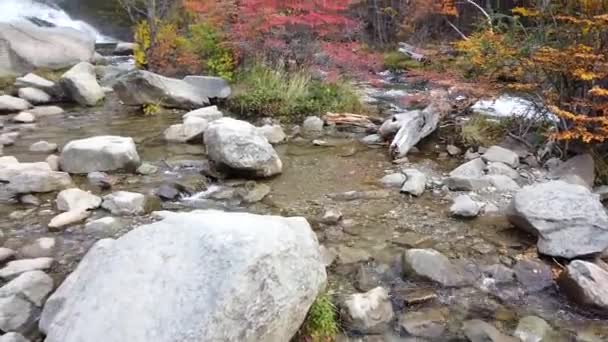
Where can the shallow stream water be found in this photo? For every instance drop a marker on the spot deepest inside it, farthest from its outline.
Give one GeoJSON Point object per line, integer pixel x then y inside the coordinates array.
{"type": "Point", "coordinates": [379, 225]}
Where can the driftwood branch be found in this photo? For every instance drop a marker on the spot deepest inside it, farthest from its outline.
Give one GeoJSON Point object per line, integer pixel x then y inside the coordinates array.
{"type": "Point", "coordinates": [348, 119]}
{"type": "Point", "coordinates": [412, 52]}
{"type": "Point", "coordinates": [482, 11]}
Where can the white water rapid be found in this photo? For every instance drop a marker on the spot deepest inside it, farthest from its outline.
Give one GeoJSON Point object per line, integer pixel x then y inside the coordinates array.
{"type": "Point", "coordinates": [19, 10]}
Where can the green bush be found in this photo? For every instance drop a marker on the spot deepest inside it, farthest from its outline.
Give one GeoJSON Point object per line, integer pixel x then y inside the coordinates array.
{"type": "Point", "coordinates": [321, 323]}
{"type": "Point", "coordinates": [264, 91]}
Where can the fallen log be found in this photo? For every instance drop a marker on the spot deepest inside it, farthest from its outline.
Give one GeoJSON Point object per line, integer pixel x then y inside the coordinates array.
{"type": "Point", "coordinates": [349, 119]}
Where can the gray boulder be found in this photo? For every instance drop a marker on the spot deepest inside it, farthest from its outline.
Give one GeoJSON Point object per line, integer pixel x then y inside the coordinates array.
{"type": "Point", "coordinates": [468, 176]}
{"type": "Point", "coordinates": [415, 183]}
{"type": "Point", "coordinates": [11, 104]}
{"type": "Point", "coordinates": [80, 84]}
{"type": "Point", "coordinates": [569, 220]}
{"type": "Point", "coordinates": [432, 265]}
{"type": "Point", "coordinates": [586, 284]}
{"type": "Point", "coordinates": [105, 225]}
{"type": "Point", "coordinates": [210, 113]}
{"type": "Point", "coordinates": [479, 331]}
{"type": "Point", "coordinates": [26, 47]}
{"type": "Point", "coordinates": [33, 95]}
{"type": "Point", "coordinates": [25, 178]}
{"type": "Point", "coordinates": [43, 147]}
{"type": "Point", "coordinates": [34, 81]}
{"type": "Point", "coordinates": [100, 153]}
{"type": "Point", "coordinates": [393, 180]}
{"type": "Point", "coordinates": [46, 111]}
{"type": "Point", "coordinates": [125, 203]}
{"type": "Point", "coordinates": [313, 127]}
{"type": "Point", "coordinates": [464, 206]}
{"type": "Point", "coordinates": [273, 133]}
{"type": "Point", "coordinates": [17, 267]}
{"type": "Point", "coordinates": [239, 147]}
{"type": "Point", "coordinates": [201, 276]}
{"type": "Point", "coordinates": [16, 313]}
{"type": "Point", "coordinates": [35, 286]}
{"type": "Point", "coordinates": [74, 198]}
{"type": "Point", "coordinates": [579, 169]}
{"type": "Point", "coordinates": [212, 87]}
{"type": "Point", "coordinates": [502, 183]}
{"type": "Point", "coordinates": [191, 130]}
{"type": "Point", "coordinates": [498, 168]}
{"type": "Point", "coordinates": [501, 155]}
{"type": "Point", "coordinates": [140, 87]}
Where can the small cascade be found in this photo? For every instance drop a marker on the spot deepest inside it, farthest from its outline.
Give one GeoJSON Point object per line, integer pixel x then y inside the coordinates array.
{"type": "Point", "coordinates": [39, 12]}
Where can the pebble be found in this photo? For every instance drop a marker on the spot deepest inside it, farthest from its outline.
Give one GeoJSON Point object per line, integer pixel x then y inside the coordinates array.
{"type": "Point", "coordinates": [68, 218]}
{"type": "Point", "coordinates": [24, 117]}
{"type": "Point", "coordinates": [43, 147]}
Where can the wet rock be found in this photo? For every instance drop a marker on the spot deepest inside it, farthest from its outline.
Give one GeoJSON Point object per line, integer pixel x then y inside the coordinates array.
{"type": "Point", "coordinates": [369, 312]}
{"type": "Point", "coordinates": [35, 286]}
{"type": "Point", "coordinates": [414, 296]}
{"type": "Point", "coordinates": [80, 84]}
{"type": "Point", "coordinates": [534, 275]}
{"type": "Point", "coordinates": [41, 248]}
{"type": "Point", "coordinates": [6, 254]}
{"type": "Point", "coordinates": [191, 130]}
{"type": "Point", "coordinates": [24, 178]}
{"type": "Point", "coordinates": [479, 331]}
{"type": "Point", "coordinates": [464, 206]}
{"type": "Point", "coordinates": [17, 267]}
{"type": "Point", "coordinates": [11, 104]}
{"type": "Point", "coordinates": [586, 284]}
{"type": "Point", "coordinates": [432, 265]}
{"type": "Point", "coordinates": [212, 87]}
{"type": "Point", "coordinates": [581, 166]}
{"type": "Point", "coordinates": [34, 96]}
{"type": "Point", "coordinates": [502, 183]}
{"type": "Point", "coordinates": [140, 87]}
{"type": "Point", "coordinates": [29, 200]}
{"type": "Point", "coordinates": [100, 153]}
{"type": "Point", "coordinates": [255, 192]}
{"type": "Point", "coordinates": [46, 111]}
{"type": "Point", "coordinates": [602, 192]}
{"type": "Point", "coordinates": [415, 183]}
{"type": "Point", "coordinates": [569, 220]}
{"type": "Point", "coordinates": [394, 180]}
{"type": "Point", "coordinates": [43, 147]}
{"type": "Point", "coordinates": [470, 155]}
{"type": "Point", "coordinates": [210, 113]}
{"type": "Point", "coordinates": [500, 274]}
{"type": "Point", "coordinates": [34, 81]}
{"type": "Point", "coordinates": [532, 329]}
{"type": "Point", "coordinates": [108, 225]}
{"type": "Point", "coordinates": [147, 169]}
{"type": "Point", "coordinates": [349, 255]}
{"type": "Point", "coordinates": [74, 199]}
{"type": "Point", "coordinates": [9, 138]}
{"type": "Point", "coordinates": [169, 191]}
{"type": "Point", "coordinates": [24, 117]}
{"type": "Point", "coordinates": [68, 218]}
{"type": "Point", "coordinates": [501, 155]}
{"type": "Point", "coordinates": [429, 323]}
{"type": "Point", "coordinates": [101, 180]}
{"type": "Point", "coordinates": [468, 176]}
{"type": "Point", "coordinates": [370, 276]}
{"type": "Point", "coordinates": [331, 216]}
{"type": "Point", "coordinates": [13, 337]}
{"type": "Point", "coordinates": [264, 277]}
{"type": "Point", "coordinates": [273, 133]}
{"type": "Point", "coordinates": [312, 127]}
{"type": "Point", "coordinates": [16, 313]}
{"type": "Point", "coordinates": [416, 125]}
{"type": "Point", "coordinates": [453, 150]}
{"type": "Point", "coordinates": [239, 147]}
{"type": "Point", "coordinates": [125, 203]}
{"type": "Point", "coordinates": [498, 168]}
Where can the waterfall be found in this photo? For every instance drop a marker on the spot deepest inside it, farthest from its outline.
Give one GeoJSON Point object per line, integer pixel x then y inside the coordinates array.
{"type": "Point", "coordinates": [19, 10]}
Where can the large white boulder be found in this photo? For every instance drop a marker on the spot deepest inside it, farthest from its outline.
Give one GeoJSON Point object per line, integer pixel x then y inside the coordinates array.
{"type": "Point", "coordinates": [100, 153]}
{"type": "Point", "coordinates": [25, 47]}
{"type": "Point", "coordinates": [198, 276]}
{"type": "Point", "coordinates": [140, 87]}
{"type": "Point", "coordinates": [568, 219]}
{"type": "Point", "coordinates": [80, 84]}
{"type": "Point", "coordinates": [240, 147]}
